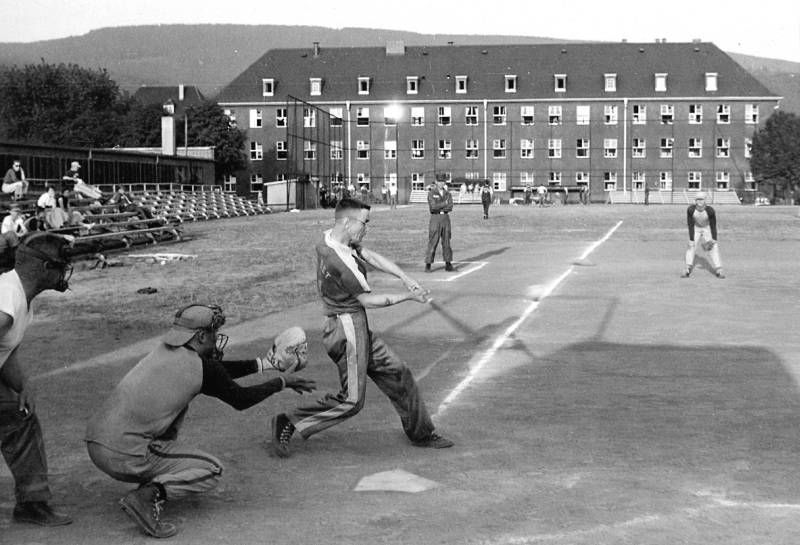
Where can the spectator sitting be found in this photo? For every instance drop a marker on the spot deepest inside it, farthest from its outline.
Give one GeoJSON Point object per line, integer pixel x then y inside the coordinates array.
{"type": "Point", "coordinates": [36, 222]}
{"type": "Point", "coordinates": [80, 186]}
{"type": "Point", "coordinates": [14, 223]}
{"type": "Point", "coordinates": [15, 182]}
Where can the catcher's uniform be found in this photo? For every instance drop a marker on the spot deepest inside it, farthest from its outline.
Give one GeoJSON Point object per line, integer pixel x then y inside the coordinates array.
{"type": "Point", "coordinates": [341, 278]}
{"type": "Point", "coordinates": [440, 204]}
{"type": "Point", "coordinates": [702, 226]}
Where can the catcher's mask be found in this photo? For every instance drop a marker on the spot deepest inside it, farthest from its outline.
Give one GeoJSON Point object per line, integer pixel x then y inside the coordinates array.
{"type": "Point", "coordinates": [52, 252]}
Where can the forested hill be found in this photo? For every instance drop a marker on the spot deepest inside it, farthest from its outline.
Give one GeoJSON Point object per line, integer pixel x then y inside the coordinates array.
{"type": "Point", "coordinates": [210, 56]}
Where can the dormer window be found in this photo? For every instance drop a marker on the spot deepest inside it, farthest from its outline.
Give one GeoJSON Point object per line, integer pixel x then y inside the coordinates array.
{"type": "Point", "coordinates": [268, 87]}
{"type": "Point", "coordinates": [461, 84]}
{"type": "Point", "coordinates": [560, 83]}
{"type": "Point", "coordinates": [511, 84]}
{"type": "Point", "coordinates": [661, 82]}
{"type": "Point", "coordinates": [363, 86]}
{"type": "Point", "coordinates": [711, 81]}
{"type": "Point", "coordinates": [412, 85]}
{"type": "Point", "coordinates": [316, 86]}
{"type": "Point", "coordinates": [611, 83]}
{"type": "Point", "coordinates": [169, 107]}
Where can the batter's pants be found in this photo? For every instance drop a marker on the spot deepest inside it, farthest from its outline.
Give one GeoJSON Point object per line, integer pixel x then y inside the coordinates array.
{"type": "Point", "coordinates": [358, 354]}
{"type": "Point", "coordinates": [23, 449]}
{"type": "Point", "coordinates": [439, 229]}
{"type": "Point", "coordinates": [181, 470]}
{"type": "Point", "coordinates": [702, 234]}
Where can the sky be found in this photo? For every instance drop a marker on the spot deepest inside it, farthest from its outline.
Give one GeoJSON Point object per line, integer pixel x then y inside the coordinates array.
{"type": "Point", "coordinates": [763, 28]}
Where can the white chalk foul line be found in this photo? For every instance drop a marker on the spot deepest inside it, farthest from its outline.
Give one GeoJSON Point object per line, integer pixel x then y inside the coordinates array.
{"type": "Point", "coordinates": [499, 341]}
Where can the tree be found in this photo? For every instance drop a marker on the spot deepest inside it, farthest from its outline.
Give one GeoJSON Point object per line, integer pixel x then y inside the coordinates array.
{"type": "Point", "coordinates": [64, 104]}
{"type": "Point", "coordinates": [775, 158]}
{"type": "Point", "coordinates": [142, 126]}
{"type": "Point", "coordinates": [209, 126]}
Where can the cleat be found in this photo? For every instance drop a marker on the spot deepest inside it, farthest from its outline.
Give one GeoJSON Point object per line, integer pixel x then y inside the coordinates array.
{"type": "Point", "coordinates": [449, 267]}
{"type": "Point", "coordinates": [38, 512]}
{"type": "Point", "coordinates": [433, 440]}
{"type": "Point", "coordinates": [282, 430]}
{"type": "Point", "coordinates": [143, 505]}
{"type": "Point", "coordinates": [719, 274]}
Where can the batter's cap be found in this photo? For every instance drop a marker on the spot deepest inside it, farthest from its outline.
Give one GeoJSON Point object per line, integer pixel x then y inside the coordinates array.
{"type": "Point", "coordinates": [189, 320]}
{"type": "Point", "coordinates": [700, 195]}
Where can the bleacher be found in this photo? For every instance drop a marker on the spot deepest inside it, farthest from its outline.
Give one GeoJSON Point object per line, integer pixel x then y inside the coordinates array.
{"type": "Point", "coordinates": [683, 196]}
{"type": "Point", "coordinates": [421, 196]}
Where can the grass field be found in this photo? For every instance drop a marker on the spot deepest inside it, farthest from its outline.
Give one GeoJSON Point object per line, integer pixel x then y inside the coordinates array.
{"type": "Point", "coordinates": [628, 406]}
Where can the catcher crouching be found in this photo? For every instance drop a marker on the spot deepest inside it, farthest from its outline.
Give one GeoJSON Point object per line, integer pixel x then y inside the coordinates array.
{"type": "Point", "coordinates": [134, 436]}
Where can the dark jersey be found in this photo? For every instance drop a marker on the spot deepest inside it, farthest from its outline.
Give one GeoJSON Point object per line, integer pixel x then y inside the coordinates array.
{"type": "Point", "coordinates": [341, 277]}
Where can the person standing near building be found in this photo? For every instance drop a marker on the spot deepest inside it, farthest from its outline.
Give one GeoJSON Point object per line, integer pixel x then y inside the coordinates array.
{"type": "Point", "coordinates": [15, 182]}
{"type": "Point", "coordinates": [486, 198]}
{"type": "Point", "coordinates": [393, 195]}
{"type": "Point", "coordinates": [541, 191]}
{"type": "Point", "coordinates": [440, 203]}
{"type": "Point", "coordinates": [702, 222]}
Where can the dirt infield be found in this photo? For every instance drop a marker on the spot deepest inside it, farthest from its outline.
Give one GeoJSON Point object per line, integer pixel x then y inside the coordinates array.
{"type": "Point", "coordinates": [627, 406]}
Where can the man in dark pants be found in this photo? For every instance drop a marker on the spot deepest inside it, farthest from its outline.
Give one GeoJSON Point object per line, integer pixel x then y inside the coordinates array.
{"type": "Point", "coordinates": [440, 203]}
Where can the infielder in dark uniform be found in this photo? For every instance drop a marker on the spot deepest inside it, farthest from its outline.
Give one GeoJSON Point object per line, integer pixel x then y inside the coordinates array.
{"type": "Point", "coordinates": [356, 351]}
{"type": "Point", "coordinates": [702, 222]}
{"type": "Point", "coordinates": [134, 437]}
{"type": "Point", "coordinates": [440, 203]}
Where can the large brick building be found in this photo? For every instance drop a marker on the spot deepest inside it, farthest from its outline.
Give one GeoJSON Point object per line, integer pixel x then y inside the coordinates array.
{"type": "Point", "coordinates": [616, 116]}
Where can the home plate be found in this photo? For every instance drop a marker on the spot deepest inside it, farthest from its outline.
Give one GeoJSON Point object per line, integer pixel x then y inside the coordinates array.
{"type": "Point", "coordinates": [395, 481]}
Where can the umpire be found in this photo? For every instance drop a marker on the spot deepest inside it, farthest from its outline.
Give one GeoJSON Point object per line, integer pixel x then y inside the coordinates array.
{"type": "Point", "coordinates": [440, 203]}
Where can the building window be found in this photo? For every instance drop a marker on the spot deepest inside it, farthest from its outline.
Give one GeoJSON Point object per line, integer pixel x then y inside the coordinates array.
{"type": "Point", "coordinates": [363, 86]}
{"type": "Point", "coordinates": [461, 84]}
{"type": "Point", "coordinates": [473, 176]}
{"type": "Point", "coordinates": [639, 114]}
{"type": "Point", "coordinates": [711, 81]}
{"type": "Point", "coordinates": [268, 87]}
{"type": "Point", "coordinates": [695, 147]}
{"type": "Point", "coordinates": [723, 147]}
{"type": "Point", "coordinates": [748, 147]}
{"type": "Point", "coordinates": [389, 180]}
{"type": "Point", "coordinates": [362, 179]}
{"type": "Point", "coordinates": [560, 81]}
{"type": "Point", "coordinates": [638, 180]}
{"type": "Point", "coordinates": [229, 182]}
{"type": "Point", "coordinates": [723, 181]}
{"type": "Point", "coordinates": [309, 151]}
{"type": "Point", "coordinates": [362, 149]}
{"type": "Point", "coordinates": [554, 148]}
{"type": "Point", "coordinates": [390, 115]}
{"type": "Point", "coordinates": [499, 181]}
{"type": "Point", "coordinates": [412, 85]}
{"type": "Point", "coordinates": [390, 149]}
{"type": "Point", "coordinates": [554, 115]}
{"type": "Point", "coordinates": [499, 147]}
{"type": "Point", "coordinates": [749, 181]}
{"type": "Point", "coordinates": [168, 107]}
{"type": "Point", "coordinates": [499, 117]}
{"type": "Point", "coordinates": [582, 148]}
{"type": "Point", "coordinates": [418, 149]}
{"type": "Point", "coordinates": [256, 151]}
{"type": "Point", "coordinates": [554, 178]}
{"type": "Point", "coordinates": [445, 149]}
{"type": "Point", "coordinates": [526, 148]}
{"type": "Point", "coordinates": [417, 181]}
{"type": "Point", "coordinates": [661, 82]}
{"type": "Point", "coordinates": [256, 183]}
{"type": "Point", "coordinates": [526, 178]}
{"type": "Point", "coordinates": [471, 117]}
{"type": "Point", "coordinates": [667, 144]}
{"type": "Point", "coordinates": [309, 117]}
{"type": "Point", "coordinates": [362, 117]}
{"type": "Point", "coordinates": [724, 114]}
{"type": "Point", "coordinates": [611, 115]}
{"type": "Point", "coordinates": [584, 115]}
{"type": "Point", "coordinates": [611, 82]}
{"type": "Point", "coordinates": [256, 119]}
{"type": "Point", "coordinates": [316, 86]}
{"type": "Point", "coordinates": [511, 84]}
{"type": "Point", "coordinates": [417, 116]}
{"type": "Point", "coordinates": [610, 181]}
{"type": "Point", "coordinates": [281, 150]}
{"type": "Point", "coordinates": [665, 181]}
{"type": "Point", "coordinates": [472, 149]}
{"type": "Point", "coordinates": [231, 117]}
{"type": "Point", "coordinates": [281, 119]}
{"type": "Point", "coordinates": [337, 151]}
{"type": "Point", "coordinates": [639, 148]}
{"type": "Point", "coordinates": [582, 178]}
{"type": "Point", "coordinates": [751, 114]}
{"type": "Point", "coordinates": [444, 115]}
{"type": "Point", "coordinates": [695, 180]}
{"type": "Point", "coordinates": [526, 114]}
{"type": "Point", "coordinates": [667, 114]}
{"type": "Point", "coordinates": [695, 114]}
{"type": "Point", "coordinates": [610, 147]}
{"type": "Point", "coordinates": [336, 117]}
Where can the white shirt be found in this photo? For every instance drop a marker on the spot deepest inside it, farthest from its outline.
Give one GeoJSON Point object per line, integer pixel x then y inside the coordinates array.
{"type": "Point", "coordinates": [14, 303]}
{"type": "Point", "coordinates": [15, 226]}
{"type": "Point", "coordinates": [46, 201]}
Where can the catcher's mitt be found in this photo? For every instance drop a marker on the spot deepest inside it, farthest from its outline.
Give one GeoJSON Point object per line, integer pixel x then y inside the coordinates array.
{"type": "Point", "coordinates": [289, 348]}
{"type": "Point", "coordinates": [708, 245]}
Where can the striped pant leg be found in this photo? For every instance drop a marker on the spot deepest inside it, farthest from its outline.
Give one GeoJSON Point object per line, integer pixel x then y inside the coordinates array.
{"type": "Point", "coordinates": [346, 339]}
{"type": "Point", "coordinates": [22, 446]}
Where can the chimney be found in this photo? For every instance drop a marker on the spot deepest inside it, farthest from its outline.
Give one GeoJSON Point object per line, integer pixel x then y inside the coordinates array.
{"type": "Point", "coordinates": [316, 50]}
{"type": "Point", "coordinates": [167, 135]}
{"type": "Point", "coordinates": [181, 92]}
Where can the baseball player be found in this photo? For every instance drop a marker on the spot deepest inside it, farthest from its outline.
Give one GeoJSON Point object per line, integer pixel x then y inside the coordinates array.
{"type": "Point", "coordinates": [702, 221]}
{"type": "Point", "coordinates": [357, 352]}
{"type": "Point", "coordinates": [41, 264]}
{"type": "Point", "coordinates": [134, 436]}
{"type": "Point", "coordinates": [440, 203]}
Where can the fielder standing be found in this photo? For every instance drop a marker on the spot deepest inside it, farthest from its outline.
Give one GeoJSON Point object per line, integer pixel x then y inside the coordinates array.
{"type": "Point", "coordinates": [440, 203]}
{"type": "Point", "coordinates": [354, 348]}
{"type": "Point", "coordinates": [702, 222]}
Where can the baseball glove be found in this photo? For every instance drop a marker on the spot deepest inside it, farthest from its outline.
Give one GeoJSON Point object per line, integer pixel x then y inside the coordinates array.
{"type": "Point", "coordinates": [708, 245]}
{"type": "Point", "coordinates": [289, 348]}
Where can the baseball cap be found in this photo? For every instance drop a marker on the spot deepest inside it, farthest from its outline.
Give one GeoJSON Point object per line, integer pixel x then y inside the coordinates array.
{"type": "Point", "coordinates": [189, 320]}
{"type": "Point", "coordinates": [75, 164]}
{"type": "Point", "coordinates": [700, 195]}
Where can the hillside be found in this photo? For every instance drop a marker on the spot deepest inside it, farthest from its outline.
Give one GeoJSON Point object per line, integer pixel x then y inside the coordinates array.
{"type": "Point", "coordinates": [210, 56]}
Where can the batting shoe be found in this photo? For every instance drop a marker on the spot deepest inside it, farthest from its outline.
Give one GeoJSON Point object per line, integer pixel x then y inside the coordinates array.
{"type": "Point", "coordinates": [428, 267]}
{"type": "Point", "coordinates": [448, 267]}
{"type": "Point", "coordinates": [719, 273]}
{"type": "Point", "coordinates": [144, 505]}
{"type": "Point", "coordinates": [686, 272]}
{"type": "Point", "coordinates": [38, 512]}
{"type": "Point", "coordinates": [282, 430]}
{"type": "Point", "coordinates": [433, 440]}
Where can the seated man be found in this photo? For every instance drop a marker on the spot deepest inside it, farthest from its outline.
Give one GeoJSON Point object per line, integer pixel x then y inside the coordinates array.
{"type": "Point", "coordinates": [134, 436]}
{"type": "Point", "coordinates": [81, 187]}
{"type": "Point", "coordinates": [14, 223]}
{"type": "Point", "coordinates": [15, 182]}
